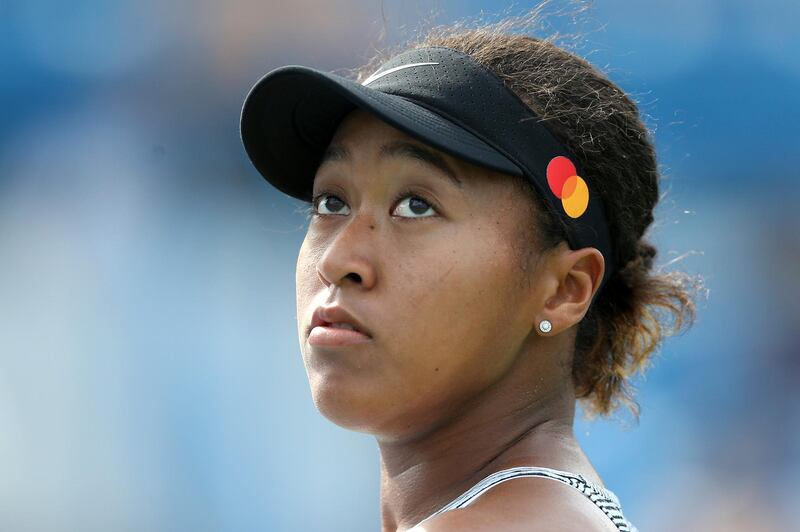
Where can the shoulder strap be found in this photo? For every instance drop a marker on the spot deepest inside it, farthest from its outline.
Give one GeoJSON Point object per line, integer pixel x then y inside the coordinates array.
{"type": "Point", "coordinates": [602, 497]}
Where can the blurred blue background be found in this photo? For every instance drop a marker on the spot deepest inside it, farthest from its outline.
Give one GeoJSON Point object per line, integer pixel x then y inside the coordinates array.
{"type": "Point", "coordinates": [150, 374]}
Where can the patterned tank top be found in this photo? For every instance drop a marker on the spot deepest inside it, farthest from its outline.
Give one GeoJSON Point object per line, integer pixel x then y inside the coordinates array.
{"type": "Point", "coordinates": [602, 497]}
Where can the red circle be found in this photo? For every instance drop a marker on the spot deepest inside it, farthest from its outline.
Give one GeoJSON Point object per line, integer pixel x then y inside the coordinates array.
{"type": "Point", "coordinates": [558, 171]}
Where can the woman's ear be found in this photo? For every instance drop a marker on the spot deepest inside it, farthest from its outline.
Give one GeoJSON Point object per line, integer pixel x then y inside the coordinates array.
{"type": "Point", "coordinates": [575, 277]}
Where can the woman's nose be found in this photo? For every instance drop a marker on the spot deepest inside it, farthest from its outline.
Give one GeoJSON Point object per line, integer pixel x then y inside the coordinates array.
{"type": "Point", "coordinates": [350, 255]}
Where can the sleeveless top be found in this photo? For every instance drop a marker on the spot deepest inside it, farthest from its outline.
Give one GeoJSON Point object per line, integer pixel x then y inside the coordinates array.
{"type": "Point", "coordinates": [602, 497]}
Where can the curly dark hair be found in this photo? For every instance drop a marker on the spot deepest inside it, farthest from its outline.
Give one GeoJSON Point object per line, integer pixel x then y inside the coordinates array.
{"type": "Point", "coordinates": [639, 306]}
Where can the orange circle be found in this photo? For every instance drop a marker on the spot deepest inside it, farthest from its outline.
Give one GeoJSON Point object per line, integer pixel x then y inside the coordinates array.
{"type": "Point", "coordinates": [569, 186]}
{"type": "Point", "coordinates": [576, 202]}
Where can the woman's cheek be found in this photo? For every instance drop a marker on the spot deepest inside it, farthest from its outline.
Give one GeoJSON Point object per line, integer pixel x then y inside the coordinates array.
{"type": "Point", "coordinates": [307, 282]}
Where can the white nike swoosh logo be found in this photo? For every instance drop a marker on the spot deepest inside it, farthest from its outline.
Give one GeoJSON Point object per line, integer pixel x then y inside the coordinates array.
{"type": "Point", "coordinates": [378, 75]}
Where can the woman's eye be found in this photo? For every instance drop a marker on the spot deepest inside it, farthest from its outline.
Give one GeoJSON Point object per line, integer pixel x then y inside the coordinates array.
{"type": "Point", "coordinates": [410, 206]}
{"type": "Point", "coordinates": [415, 207]}
{"type": "Point", "coordinates": [330, 203]}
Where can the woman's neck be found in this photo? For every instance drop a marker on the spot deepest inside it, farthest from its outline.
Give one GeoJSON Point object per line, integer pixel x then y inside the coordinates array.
{"type": "Point", "coordinates": [499, 429]}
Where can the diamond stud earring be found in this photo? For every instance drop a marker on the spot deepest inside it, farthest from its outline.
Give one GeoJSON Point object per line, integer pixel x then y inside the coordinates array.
{"type": "Point", "coordinates": [545, 326]}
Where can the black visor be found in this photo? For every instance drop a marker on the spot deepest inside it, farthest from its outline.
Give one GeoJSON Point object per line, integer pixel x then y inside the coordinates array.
{"type": "Point", "coordinates": [438, 95]}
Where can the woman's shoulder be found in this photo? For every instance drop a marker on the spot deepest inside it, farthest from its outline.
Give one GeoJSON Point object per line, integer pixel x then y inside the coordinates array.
{"type": "Point", "coordinates": [527, 504]}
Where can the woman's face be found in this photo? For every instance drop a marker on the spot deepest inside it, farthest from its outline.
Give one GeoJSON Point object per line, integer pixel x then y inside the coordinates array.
{"type": "Point", "coordinates": [428, 263]}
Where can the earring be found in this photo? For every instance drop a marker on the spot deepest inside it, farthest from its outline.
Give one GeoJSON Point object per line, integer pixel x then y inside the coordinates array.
{"type": "Point", "coordinates": [545, 326]}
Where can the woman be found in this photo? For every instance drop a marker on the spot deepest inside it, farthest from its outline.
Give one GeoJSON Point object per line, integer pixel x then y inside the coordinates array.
{"type": "Point", "coordinates": [474, 264]}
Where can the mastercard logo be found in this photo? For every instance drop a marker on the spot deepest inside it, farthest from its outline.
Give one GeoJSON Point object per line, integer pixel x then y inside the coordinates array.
{"type": "Point", "coordinates": [566, 184]}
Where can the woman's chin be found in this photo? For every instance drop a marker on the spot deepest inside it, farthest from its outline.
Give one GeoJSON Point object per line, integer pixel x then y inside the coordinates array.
{"type": "Point", "coordinates": [375, 411]}
{"type": "Point", "coordinates": [347, 406]}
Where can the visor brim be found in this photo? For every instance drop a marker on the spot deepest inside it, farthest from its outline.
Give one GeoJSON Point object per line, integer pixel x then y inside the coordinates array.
{"type": "Point", "coordinates": [291, 114]}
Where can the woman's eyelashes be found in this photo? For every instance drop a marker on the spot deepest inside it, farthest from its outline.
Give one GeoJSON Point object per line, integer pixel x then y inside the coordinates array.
{"type": "Point", "coordinates": [329, 202]}
{"type": "Point", "coordinates": [416, 207]}
{"type": "Point", "coordinates": [408, 204]}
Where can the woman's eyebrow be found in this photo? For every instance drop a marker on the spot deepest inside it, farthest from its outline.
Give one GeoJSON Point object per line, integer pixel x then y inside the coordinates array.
{"type": "Point", "coordinates": [402, 148]}
{"type": "Point", "coordinates": [399, 148]}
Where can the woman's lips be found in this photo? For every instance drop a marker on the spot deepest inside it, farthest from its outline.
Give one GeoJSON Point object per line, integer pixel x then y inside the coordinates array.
{"type": "Point", "coordinates": [334, 337]}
